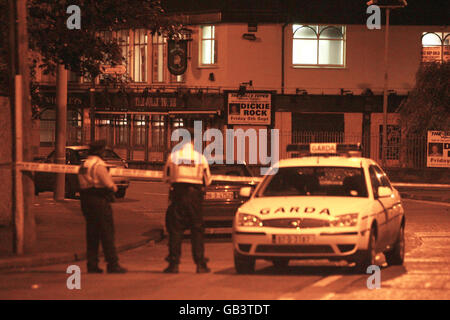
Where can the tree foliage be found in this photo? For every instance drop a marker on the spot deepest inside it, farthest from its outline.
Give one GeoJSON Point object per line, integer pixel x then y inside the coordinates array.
{"type": "Point", "coordinates": [4, 73]}
{"type": "Point", "coordinates": [84, 51]}
{"type": "Point", "coordinates": [428, 104]}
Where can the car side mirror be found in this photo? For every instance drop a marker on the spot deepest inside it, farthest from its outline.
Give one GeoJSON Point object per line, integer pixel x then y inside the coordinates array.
{"type": "Point", "coordinates": [245, 192]}
{"type": "Point", "coordinates": [384, 192]}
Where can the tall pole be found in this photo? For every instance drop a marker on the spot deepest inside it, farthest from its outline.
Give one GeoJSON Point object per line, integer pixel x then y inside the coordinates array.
{"type": "Point", "coordinates": [25, 225]}
{"type": "Point", "coordinates": [385, 89]}
{"type": "Point", "coordinates": [13, 67]}
{"type": "Point", "coordinates": [19, 215]}
{"type": "Point", "coordinates": [61, 128]}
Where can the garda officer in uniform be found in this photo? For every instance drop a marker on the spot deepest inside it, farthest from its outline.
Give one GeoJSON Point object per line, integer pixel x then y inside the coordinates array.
{"type": "Point", "coordinates": [96, 192]}
{"type": "Point", "coordinates": [188, 173]}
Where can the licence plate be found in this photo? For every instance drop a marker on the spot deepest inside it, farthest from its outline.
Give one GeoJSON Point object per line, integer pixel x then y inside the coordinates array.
{"type": "Point", "coordinates": [219, 195]}
{"type": "Point", "coordinates": [293, 239]}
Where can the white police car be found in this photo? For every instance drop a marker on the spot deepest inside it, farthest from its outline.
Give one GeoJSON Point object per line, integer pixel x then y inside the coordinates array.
{"type": "Point", "coordinates": [327, 204]}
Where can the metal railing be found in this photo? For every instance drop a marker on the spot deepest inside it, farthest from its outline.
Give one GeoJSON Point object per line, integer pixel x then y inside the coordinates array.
{"type": "Point", "coordinates": [402, 151]}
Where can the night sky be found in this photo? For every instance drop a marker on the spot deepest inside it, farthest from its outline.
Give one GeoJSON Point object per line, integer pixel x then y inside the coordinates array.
{"type": "Point", "coordinates": [418, 12]}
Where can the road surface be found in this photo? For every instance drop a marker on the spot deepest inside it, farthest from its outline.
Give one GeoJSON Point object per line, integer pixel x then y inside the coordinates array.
{"type": "Point", "coordinates": [425, 274]}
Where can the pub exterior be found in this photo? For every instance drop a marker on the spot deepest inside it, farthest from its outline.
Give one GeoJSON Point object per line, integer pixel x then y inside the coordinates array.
{"type": "Point", "coordinates": [322, 74]}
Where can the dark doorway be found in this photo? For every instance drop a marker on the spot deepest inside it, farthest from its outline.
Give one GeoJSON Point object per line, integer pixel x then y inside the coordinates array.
{"type": "Point", "coordinates": [318, 122]}
{"type": "Point", "coordinates": [317, 127]}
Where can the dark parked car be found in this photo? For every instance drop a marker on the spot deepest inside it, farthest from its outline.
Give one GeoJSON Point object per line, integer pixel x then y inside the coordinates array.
{"type": "Point", "coordinates": [75, 155]}
{"type": "Point", "coordinates": [222, 197]}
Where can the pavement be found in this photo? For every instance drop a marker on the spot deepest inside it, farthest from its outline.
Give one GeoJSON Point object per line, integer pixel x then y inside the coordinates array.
{"type": "Point", "coordinates": [139, 220]}
{"type": "Point", "coordinates": [61, 230]}
{"type": "Point", "coordinates": [426, 194]}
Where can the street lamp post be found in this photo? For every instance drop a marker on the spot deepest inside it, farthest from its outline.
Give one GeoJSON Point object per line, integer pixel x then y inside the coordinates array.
{"type": "Point", "coordinates": [385, 87]}
{"type": "Point", "coordinates": [388, 5]}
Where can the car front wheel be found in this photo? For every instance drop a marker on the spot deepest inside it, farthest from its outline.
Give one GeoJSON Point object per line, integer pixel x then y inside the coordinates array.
{"type": "Point", "coordinates": [396, 256]}
{"type": "Point", "coordinates": [243, 264]}
{"type": "Point", "coordinates": [367, 257]}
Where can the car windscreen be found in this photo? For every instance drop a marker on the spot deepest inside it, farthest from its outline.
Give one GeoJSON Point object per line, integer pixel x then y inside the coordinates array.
{"type": "Point", "coordinates": [110, 155]}
{"type": "Point", "coordinates": [106, 155]}
{"type": "Point", "coordinates": [230, 170]}
{"type": "Point", "coordinates": [315, 181]}
{"type": "Point", "coordinates": [82, 154]}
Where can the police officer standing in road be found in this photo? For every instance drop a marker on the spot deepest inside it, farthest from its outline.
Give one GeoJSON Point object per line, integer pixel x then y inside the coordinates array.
{"type": "Point", "coordinates": [96, 192]}
{"type": "Point", "coordinates": [188, 173]}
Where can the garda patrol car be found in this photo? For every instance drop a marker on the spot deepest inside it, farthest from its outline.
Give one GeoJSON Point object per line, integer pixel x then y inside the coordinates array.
{"type": "Point", "coordinates": [325, 204]}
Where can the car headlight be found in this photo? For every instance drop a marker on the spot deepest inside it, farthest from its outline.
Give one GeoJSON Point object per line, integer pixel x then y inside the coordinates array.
{"type": "Point", "coordinates": [345, 220]}
{"type": "Point", "coordinates": [249, 220]}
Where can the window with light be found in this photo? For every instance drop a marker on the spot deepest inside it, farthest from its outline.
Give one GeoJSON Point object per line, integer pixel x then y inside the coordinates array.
{"type": "Point", "coordinates": [140, 55]}
{"type": "Point", "coordinates": [435, 47]}
{"type": "Point", "coordinates": [159, 57]}
{"type": "Point", "coordinates": [208, 45]}
{"type": "Point", "coordinates": [319, 46]}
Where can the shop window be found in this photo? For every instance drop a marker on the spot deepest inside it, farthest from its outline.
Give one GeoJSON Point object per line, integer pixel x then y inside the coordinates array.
{"type": "Point", "coordinates": [47, 126]}
{"type": "Point", "coordinates": [157, 132]}
{"type": "Point", "coordinates": [139, 130]}
{"type": "Point", "coordinates": [104, 128]}
{"type": "Point", "coordinates": [393, 142]}
{"type": "Point", "coordinates": [208, 46]}
{"type": "Point", "coordinates": [121, 130]}
{"type": "Point", "coordinates": [140, 55]}
{"type": "Point", "coordinates": [435, 47]}
{"type": "Point", "coordinates": [319, 46]}
{"type": "Point", "coordinates": [74, 127]}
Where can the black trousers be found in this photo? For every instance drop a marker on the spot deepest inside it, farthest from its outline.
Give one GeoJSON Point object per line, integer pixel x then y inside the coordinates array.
{"type": "Point", "coordinates": [99, 225]}
{"type": "Point", "coordinates": [185, 212]}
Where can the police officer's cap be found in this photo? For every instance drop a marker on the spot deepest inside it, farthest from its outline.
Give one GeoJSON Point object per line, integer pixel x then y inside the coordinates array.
{"type": "Point", "coordinates": [97, 146]}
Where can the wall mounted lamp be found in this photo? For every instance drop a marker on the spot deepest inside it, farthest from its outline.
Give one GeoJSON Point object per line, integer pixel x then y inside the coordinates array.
{"type": "Point", "coordinates": [249, 36]}
{"type": "Point", "coordinates": [346, 92]}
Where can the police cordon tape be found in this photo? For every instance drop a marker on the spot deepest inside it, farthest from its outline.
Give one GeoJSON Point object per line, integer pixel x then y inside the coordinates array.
{"type": "Point", "coordinates": [153, 175]}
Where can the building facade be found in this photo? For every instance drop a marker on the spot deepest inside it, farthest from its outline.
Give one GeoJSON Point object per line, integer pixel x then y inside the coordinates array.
{"type": "Point", "coordinates": [324, 81]}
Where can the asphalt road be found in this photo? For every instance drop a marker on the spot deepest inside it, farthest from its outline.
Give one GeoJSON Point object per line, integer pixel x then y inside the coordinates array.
{"type": "Point", "coordinates": [425, 274]}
